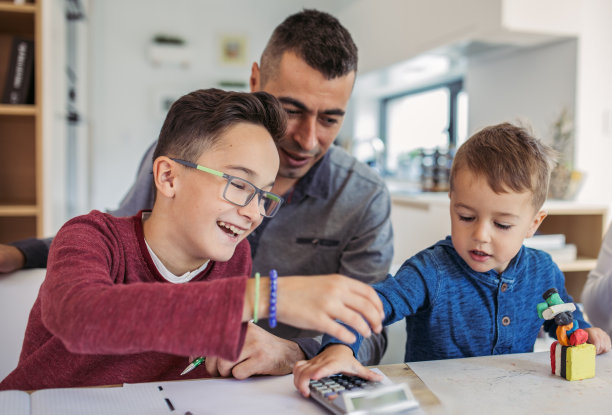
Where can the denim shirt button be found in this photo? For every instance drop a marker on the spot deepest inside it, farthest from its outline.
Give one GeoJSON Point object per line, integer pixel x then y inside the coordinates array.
{"type": "Point", "coordinates": [504, 287]}
{"type": "Point", "coordinates": [506, 321]}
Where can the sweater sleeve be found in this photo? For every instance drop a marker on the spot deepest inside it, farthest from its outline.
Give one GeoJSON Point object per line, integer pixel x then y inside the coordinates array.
{"type": "Point", "coordinates": [97, 300]}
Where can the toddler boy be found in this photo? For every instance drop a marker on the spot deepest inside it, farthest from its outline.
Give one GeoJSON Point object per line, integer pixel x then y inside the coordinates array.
{"type": "Point", "coordinates": [473, 293]}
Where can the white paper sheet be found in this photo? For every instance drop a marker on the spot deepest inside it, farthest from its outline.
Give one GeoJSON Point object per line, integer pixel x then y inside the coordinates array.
{"type": "Point", "coordinates": [14, 403]}
{"type": "Point", "coordinates": [99, 401]}
{"type": "Point", "coordinates": [515, 384]}
{"type": "Point", "coordinates": [260, 395]}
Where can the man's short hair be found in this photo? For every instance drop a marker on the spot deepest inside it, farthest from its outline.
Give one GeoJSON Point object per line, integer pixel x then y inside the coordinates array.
{"type": "Point", "coordinates": [197, 120]}
{"type": "Point", "coordinates": [317, 38]}
{"type": "Point", "coordinates": [510, 158]}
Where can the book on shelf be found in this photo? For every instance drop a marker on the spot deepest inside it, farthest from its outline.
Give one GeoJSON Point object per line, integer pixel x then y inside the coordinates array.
{"type": "Point", "coordinates": [555, 245]}
{"type": "Point", "coordinates": [545, 241]}
{"type": "Point", "coordinates": [19, 77]}
{"type": "Point", "coordinates": [564, 255]}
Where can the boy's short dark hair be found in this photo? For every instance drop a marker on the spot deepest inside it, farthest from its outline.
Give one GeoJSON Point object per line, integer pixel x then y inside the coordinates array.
{"type": "Point", "coordinates": [196, 121]}
{"type": "Point", "coordinates": [317, 38]}
{"type": "Point", "coordinates": [510, 158]}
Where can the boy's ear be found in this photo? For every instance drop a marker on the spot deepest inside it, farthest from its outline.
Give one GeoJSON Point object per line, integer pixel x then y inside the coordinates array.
{"type": "Point", "coordinates": [164, 176]}
{"type": "Point", "coordinates": [255, 79]}
{"type": "Point", "coordinates": [537, 220]}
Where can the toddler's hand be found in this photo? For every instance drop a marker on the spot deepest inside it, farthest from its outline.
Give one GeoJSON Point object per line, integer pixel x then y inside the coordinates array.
{"type": "Point", "coordinates": [599, 339]}
{"type": "Point", "coordinates": [334, 359]}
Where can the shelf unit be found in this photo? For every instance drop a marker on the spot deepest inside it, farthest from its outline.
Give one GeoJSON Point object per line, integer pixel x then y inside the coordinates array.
{"type": "Point", "coordinates": [21, 202]}
{"type": "Point", "coordinates": [419, 220]}
{"type": "Point", "coordinates": [583, 225]}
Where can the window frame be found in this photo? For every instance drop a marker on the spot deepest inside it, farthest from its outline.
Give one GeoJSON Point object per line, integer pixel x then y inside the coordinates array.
{"type": "Point", "coordinates": [454, 86]}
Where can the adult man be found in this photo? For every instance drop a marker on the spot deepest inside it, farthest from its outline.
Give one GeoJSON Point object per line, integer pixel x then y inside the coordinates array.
{"type": "Point", "coordinates": [336, 216]}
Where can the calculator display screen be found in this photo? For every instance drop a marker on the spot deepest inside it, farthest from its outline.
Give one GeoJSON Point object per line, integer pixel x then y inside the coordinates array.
{"type": "Point", "coordinates": [377, 401]}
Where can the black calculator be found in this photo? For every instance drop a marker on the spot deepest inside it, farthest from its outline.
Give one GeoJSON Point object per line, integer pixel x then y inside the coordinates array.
{"type": "Point", "coordinates": [352, 395]}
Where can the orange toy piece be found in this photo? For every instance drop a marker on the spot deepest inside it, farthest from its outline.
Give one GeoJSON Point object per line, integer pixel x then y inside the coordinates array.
{"type": "Point", "coordinates": [562, 333]}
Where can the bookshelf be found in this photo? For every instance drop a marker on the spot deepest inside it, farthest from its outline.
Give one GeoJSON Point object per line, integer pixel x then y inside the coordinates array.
{"type": "Point", "coordinates": [583, 225]}
{"type": "Point", "coordinates": [420, 220]}
{"type": "Point", "coordinates": [21, 209]}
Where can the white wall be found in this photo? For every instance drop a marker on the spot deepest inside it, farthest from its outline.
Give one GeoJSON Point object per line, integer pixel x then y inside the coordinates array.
{"type": "Point", "coordinates": [531, 85]}
{"type": "Point", "coordinates": [594, 101]}
{"type": "Point", "coordinates": [125, 115]}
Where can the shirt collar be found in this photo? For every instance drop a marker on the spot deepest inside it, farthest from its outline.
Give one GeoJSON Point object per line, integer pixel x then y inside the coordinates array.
{"type": "Point", "coordinates": [492, 277]}
{"type": "Point", "coordinates": [315, 183]}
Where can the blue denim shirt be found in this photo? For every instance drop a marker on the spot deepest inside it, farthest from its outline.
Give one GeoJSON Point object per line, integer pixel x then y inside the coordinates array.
{"type": "Point", "coordinates": [452, 311]}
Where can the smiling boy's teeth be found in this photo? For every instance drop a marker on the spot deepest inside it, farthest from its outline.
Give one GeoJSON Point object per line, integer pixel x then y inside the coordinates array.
{"type": "Point", "coordinates": [232, 228]}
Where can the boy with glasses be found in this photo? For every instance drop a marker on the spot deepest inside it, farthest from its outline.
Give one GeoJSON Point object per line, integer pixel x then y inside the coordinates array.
{"type": "Point", "coordinates": [129, 299]}
{"type": "Point", "coordinates": [337, 212]}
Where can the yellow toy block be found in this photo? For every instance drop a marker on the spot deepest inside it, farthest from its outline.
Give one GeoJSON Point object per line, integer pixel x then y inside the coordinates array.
{"type": "Point", "coordinates": [573, 362]}
{"type": "Point", "coordinates": [580, 362]}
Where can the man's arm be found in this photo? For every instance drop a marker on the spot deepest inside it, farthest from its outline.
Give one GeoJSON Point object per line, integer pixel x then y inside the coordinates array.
{"type": "Point", "coordinates": [31, 253]}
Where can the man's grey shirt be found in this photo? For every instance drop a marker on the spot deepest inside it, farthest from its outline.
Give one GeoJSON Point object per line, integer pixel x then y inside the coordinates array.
{"type": "Point", "coordinates": [337, 219]}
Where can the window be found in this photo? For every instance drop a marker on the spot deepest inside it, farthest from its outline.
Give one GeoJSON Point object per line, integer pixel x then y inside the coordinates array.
{"type": "Point", "coordinates": [421, 121]}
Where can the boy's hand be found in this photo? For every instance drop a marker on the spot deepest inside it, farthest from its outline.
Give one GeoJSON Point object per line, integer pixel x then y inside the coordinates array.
{"type": "Point", "coordinates": [316, 302]}
{"type": "Point", "coordinates": [334, 359]}
{"type": "Point", "coordinates": [599, 339]}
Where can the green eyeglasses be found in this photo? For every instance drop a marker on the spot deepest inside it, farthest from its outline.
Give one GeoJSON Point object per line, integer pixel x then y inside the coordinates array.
{"type": "Point", "coordinates": [240, 192]}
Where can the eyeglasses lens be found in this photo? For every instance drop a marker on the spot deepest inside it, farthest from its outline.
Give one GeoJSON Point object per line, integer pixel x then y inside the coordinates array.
{"type": "Point", "coordinates": [241, 192]}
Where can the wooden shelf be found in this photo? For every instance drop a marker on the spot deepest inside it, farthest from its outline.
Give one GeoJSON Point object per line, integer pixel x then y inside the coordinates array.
{"type": "Point", "coordinates": [21, 207]}
{"type": "Point", "coordinates": [10, 7]}
{"type": "Point", "coordinates": [18, 210]}
{"type": "Point", "coordinates": [7, 109]}
{"type": "Point", "coordinates": [580, 265]}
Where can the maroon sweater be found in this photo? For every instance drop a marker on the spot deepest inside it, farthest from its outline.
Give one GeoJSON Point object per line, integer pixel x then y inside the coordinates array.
{"type": "Point", "coordinates": [104, 315]}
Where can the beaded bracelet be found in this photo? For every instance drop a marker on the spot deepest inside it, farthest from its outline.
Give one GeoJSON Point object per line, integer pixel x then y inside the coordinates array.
{"type": "Point", "coordinates": [273, 288]}
{"type": "Point", "coordinates": [256, 306]}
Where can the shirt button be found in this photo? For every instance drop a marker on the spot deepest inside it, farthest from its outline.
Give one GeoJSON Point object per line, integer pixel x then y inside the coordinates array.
{"type": "Point", "coordinates": [506, 321]}
{"type": "Point", "coordinates": [504, 287]}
